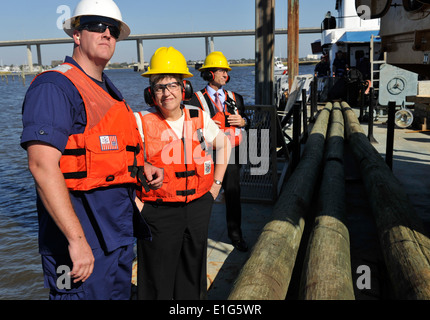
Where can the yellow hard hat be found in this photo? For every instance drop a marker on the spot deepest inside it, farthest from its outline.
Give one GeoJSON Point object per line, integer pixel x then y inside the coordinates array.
{"type": "Point", "coordinates": [215, 60]}
{"type": "Point", "coordinates": [168, 61]}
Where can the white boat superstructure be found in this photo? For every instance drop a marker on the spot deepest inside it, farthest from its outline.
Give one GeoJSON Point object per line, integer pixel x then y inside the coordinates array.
{"type": "Point", "coordinates": [280, 69]}
{"type": "Point", "coordinates": [351, 34]}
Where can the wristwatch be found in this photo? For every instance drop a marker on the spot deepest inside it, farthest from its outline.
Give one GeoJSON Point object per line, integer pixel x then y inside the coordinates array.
{"type": "Point", "coordinates": [218, 182]}
{"type": "Point", "coordinates": [246, 121]}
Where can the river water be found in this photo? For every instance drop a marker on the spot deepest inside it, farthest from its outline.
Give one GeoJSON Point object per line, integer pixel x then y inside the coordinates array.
{"type": "Point", "coordinates": [20, 267]}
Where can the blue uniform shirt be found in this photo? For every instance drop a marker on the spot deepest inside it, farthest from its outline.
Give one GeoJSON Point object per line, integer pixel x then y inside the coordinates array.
{"type": "Point", "coordinates": [53, 110]}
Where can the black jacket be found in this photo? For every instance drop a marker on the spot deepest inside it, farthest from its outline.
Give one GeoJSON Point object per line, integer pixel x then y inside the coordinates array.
{"type": "Point", "coordinates": [239, 104]}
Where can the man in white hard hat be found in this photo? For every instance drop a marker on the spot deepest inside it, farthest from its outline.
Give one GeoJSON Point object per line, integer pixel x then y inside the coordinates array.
{"type": "Point", "coordinates": [85, 154]}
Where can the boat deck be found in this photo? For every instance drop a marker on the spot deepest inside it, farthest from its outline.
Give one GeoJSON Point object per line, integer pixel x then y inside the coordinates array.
{"type": "Point", "coordinates": [411, 158]}
{"type": "Point", "coordinates": [225, 262]}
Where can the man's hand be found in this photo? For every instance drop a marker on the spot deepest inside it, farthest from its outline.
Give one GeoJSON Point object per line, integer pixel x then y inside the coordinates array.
{"type": "Point", "coordinates": [154, 175]}
{"type": "Point", "coordinates": [82, 258]}
{"type": "Point", "coordinates": [236, 120]}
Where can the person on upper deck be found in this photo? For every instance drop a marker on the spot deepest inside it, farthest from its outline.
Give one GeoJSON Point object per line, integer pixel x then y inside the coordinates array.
{"type": "Point", "coordinates": [85, 155]}
{"type": "Point", "coordinates": [180, 139]}
{"type": "Point", "coordinates": [228, 112]}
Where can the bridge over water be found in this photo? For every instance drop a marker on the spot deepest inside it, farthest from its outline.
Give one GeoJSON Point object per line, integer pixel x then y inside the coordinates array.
{"type": "Point", "coordinates": [139, 38]}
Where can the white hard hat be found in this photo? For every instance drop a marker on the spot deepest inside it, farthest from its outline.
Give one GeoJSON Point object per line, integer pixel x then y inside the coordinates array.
{"type": "Point", "coordinates": [104, 8]}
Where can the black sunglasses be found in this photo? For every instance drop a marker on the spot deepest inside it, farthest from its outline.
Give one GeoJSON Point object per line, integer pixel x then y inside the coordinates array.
{"type": "Point", "coordinates": [101, 27]}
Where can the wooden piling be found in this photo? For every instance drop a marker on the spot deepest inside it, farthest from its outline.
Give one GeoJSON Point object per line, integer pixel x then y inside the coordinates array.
{"type": "Point", "coordinates": [405, 246]}
{"type": "Point", "coordinates": [264, 51]}
{"type": "Point", "coordinates": [267, 273]}
{"type": "Point", "coordinates": [293, 40]}
{"type": "Point", "coordinates": [326, 273]}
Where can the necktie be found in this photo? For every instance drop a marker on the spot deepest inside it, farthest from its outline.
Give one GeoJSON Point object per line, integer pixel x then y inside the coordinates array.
{"type": "Point", "coordinates": [218, 102]}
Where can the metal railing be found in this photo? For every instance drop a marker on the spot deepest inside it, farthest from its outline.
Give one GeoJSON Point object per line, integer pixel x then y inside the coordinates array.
{"type": "Point", "coordinates": [262, 172]}
{"type": "Point", "coordinates": [268, 154]}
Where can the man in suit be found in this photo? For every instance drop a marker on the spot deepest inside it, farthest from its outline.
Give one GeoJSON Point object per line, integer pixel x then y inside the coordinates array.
{"type": "Point", "coordinates": [227, 110]}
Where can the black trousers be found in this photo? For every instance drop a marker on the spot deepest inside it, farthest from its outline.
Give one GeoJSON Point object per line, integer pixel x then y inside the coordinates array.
{"type": "Point", "coordinates": [173, 264]}
{"type": "Point", "coordinates": [231, 185]}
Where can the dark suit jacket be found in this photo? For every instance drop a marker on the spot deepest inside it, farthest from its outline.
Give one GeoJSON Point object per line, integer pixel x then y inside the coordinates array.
{"type": "Point", "coordinates": [239, 104]}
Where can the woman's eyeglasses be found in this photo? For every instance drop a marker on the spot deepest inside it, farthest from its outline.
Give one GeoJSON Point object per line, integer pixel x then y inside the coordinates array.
{"type": "Point", "coordinates": [171, 86]}
{"type": "Point", "coordinates": [101, 27]}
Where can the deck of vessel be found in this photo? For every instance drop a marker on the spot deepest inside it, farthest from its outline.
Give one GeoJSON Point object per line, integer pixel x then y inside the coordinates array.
{"type": "Point", "coordinates": [411, 158]}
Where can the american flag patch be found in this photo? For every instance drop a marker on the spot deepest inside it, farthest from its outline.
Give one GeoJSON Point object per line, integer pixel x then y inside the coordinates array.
{"type": "Point", "coordinates": [108, 143]}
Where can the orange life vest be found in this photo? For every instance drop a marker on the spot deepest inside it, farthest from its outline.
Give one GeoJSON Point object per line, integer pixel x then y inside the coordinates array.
{"type": "Point", "coordinates": [187, 162]}
{"type": "Point", "coordinates": [109, 151]}
{"type": "Point", "coordinates": [233, 133]}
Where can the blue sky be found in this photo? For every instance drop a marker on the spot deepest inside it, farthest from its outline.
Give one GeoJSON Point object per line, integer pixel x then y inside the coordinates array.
{"type": "Point", "coordinates": [30, 19]}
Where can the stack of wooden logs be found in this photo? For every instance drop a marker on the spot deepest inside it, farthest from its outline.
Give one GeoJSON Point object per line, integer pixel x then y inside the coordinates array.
{"type": "Point", "coordinates": [326, 273]}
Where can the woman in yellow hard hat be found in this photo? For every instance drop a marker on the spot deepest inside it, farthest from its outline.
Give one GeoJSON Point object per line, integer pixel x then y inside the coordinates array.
{"type": "Point", "coordinates": [178, 138]}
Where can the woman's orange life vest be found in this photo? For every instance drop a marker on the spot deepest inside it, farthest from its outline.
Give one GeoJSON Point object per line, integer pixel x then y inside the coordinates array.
{"type": "Point", "coordinates": [233, 133]}
{"type": "Point", "coordinates": [187, 162]}
{"type": "Point", "coordinates": [109, 151]}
